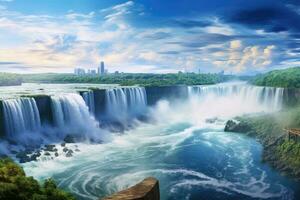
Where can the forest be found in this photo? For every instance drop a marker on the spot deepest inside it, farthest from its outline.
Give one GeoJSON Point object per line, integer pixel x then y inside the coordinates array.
{"type": "Point", "coordinates": [287, 78]}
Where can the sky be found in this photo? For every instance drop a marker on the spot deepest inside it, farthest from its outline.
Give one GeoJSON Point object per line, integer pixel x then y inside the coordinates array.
{"type": "Point", "coordinates": [149, 36]}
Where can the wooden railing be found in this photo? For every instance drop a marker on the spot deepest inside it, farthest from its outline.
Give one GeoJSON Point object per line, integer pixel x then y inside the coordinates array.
{"type": "Point", "coordinates": [292, 133]}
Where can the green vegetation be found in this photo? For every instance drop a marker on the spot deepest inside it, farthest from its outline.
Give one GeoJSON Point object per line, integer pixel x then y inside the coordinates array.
{"type": "Point", "coordinates": [123, 79]}
{"type": "Point", "coordinates": [289, 152]}
{"type": "Point", "coordinates": [7, 79]}
{"type": "Point", "coordinates": [133, 79]}
{"type": "Point", "coordinates": [282, 153]}
{"type": "Point", "coordinates": [288, 78]}
{"type": "Point", "coordinates": [15, 185]}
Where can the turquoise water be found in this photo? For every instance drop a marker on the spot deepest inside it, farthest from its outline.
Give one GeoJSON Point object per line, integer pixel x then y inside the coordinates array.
{"type": "Point", "coordinates": [192, 158]}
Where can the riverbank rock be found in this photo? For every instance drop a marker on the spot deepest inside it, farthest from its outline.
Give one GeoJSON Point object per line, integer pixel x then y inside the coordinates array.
{"type": "Point", "coordinates": [148, 189]}
{"type": "Point", "coordinates": [25, 156]}
{"type": "Point", "coordinates": [50, 147]}
{"type": "Point", "coordinates": [69, 153]}
{"type": "Point", "coordinates": [69, 139]}
{"type": "Point", "coordinates": [237, 126]}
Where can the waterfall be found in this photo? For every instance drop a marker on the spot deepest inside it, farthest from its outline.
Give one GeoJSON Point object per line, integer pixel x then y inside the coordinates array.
{"type": "Point", "coordinates": [137, 99]}
{"type": "Point", "coordinates": [268, 97]}
{"type": "Point", "coordinates": [71, 114]}
{"type": "Point", "coordinates": [122, 103]}
{"type": "Point", "coordinates": [89, 100]}
{"type": "Point", "coordinates": [20, 116]}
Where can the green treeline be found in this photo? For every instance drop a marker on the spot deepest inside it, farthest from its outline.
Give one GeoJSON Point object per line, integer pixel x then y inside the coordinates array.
{"type": "Point", "coordinates": [287, 78]}
{"type": "Point", "coordinates": [133, 79]}
{"type": "Point", "coordinates": [14, 184]}
{"type": "Point", "coordinates": [124, 79]}
{"type": "Point", "coordinates": [7, 79]}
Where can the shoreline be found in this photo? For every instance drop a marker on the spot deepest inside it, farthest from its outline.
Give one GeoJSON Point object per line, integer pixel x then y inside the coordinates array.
{"type": "Point", "coordinates": [278, 152]}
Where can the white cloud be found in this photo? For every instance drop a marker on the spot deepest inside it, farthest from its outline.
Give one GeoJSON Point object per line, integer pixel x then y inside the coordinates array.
{"type": "Point", "coordinates": [74, 39]}
{"type": "Point", "coordinates": [235, 44]}
{"type": "Point", "coordinates": [239, 58]}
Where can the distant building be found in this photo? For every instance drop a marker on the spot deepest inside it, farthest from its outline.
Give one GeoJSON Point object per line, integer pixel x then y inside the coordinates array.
{"type": "Point", "coordinates": [116, 72]}
{"type": "Point", "coordinates": [79, 71]}
{"type": "Point", "coordinates": [93, 72]}
{"type": "Point", "coordinates": [101, 68]}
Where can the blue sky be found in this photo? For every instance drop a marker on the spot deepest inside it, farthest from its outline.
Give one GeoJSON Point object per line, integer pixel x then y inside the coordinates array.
{"type": "Point", "coordinates": [237, 36]}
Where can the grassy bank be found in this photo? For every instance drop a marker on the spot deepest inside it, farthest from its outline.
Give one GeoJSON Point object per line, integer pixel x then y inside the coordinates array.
{"type": "Point", "coordinates": [14, 184]}
{"type": "Point", "coordinates": [281, 153]}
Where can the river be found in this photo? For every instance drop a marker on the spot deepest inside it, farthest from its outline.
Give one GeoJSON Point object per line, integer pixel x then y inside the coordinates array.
{"type": "Point", "coordinates": [184, 146]}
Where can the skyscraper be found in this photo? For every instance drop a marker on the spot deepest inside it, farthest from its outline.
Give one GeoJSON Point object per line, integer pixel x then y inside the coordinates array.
{"type": "Point", "coordinates": [101, 68]}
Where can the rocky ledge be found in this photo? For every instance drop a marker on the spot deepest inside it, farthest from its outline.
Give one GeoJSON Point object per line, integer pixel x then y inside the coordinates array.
{"type": "Point", "coordinates": [148, 189]}
{"type": "Point", "coordinates": [237, 126]}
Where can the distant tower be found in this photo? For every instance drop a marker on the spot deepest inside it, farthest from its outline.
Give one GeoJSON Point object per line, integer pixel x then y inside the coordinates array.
{"type": "Point", "coordinates": [101, 68]}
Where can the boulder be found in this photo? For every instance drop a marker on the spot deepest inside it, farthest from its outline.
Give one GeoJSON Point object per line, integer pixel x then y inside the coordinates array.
{"type": "Point", "coordinates": [47, 154]}
{"type": "Point", "coordinates": [69, 153]}
{"type": "Point", "coordinates": [148, 189]}
{"type": "Point", "coordinates": [237, 126]}
{"type": "Point", "coordinates": [50, 147]}
{"type": "Point", "coordinates": [69, 139]}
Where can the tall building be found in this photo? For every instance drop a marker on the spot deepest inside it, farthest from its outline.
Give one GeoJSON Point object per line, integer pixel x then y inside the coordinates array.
{"type": "Point", "coordinates": [101, 68]}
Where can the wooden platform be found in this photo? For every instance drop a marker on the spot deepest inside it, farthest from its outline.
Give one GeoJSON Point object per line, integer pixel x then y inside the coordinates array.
{"type": "Point", "coordinates": [292, 132]}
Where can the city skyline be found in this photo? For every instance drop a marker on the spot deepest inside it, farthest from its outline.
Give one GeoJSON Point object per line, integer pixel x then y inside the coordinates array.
{"type": "Point", "coordinates": [100, 70]}
{"type": "Point", "coordinates": [240, 37]}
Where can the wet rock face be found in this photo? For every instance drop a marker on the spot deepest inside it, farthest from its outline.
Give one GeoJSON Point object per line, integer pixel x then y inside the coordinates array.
{"type": "Point", "coordinates": [48, 151]}
{"type": "Point", "coordinates": [148, 189]}
{"type": "Point", "coordinates": [236, 126]}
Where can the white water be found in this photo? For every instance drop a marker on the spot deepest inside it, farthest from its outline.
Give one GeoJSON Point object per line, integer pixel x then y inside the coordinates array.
{"type": "Point", "coordinates": [89, 100]}
{"type": "Point", "coordinates": [71, 116]}
{"type": "Point", "coordinates": [125, 103]}
{"type": "Point", "coordinates": [21, 118]}
{"type": "Point", "coordinates": [266, 98]}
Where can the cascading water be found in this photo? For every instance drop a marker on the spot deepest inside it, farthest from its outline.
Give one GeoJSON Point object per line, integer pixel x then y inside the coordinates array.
{"type": "Point", "coordinates": [266, 97]}
{"type": "Point", "coordinates": [122, 103]}
{"type": "Point", "coordinates": [89, 100]}
{"type": "Point", "coordinates": [71, 115]}
{"type": "Point", "coordinates": [21, 116]}
{"type": "Point", "coordinates": [137, 100]}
